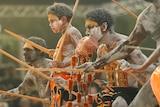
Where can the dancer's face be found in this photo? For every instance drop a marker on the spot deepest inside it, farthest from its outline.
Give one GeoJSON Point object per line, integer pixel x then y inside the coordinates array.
{"type": "Point", "coordinates": [93, 29]}
{"type": "Point", "coordinates": [55, 23]}
{"type": "Point", "coordinates": [30, 54]}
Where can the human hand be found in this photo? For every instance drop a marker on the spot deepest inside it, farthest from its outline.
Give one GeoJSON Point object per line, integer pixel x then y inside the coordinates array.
{"type": "Point", "coordinates": [51, 52]}
{"type": "Point", "coordinates": [124, 65]}
{"type": "Point", "coordinates": [57, 64]}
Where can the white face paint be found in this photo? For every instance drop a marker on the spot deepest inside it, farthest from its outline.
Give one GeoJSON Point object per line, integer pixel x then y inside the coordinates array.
{"type": "Point", "coordinates": [56, 26]}
{"type": "Point", "coordinates": [96, 32]}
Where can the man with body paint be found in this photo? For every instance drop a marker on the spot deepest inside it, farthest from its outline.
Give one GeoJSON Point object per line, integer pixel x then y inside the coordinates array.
{"type": "Point", "coordinates": [59, 16]}
{"type": "Point", "coordinates": [148, 24]}
{"type": "Point", "coordinates": [32, 80]}
{"type": "Point", "coordinates": [99, 23]}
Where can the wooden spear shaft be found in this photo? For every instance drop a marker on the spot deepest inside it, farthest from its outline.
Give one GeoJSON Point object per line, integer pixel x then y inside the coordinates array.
{"type": "Point", "coordinates": [130, 12]}
{"type": "Point", "coordinates": [28, 41]}
{"type": "Point", "coordinates": [133, 76]}
{"type": "Point", "coordinates": [26, 65]}
{"type": "Point", "coordinates": [24, 96]}
{"type": "Point", "coordinates": [60, 69]}
{"type": "Point", "coordinates": [64, 35]}
{"type": "Point", "coordinates": [78, 70]}
{"type": "Point", "coordinates": [137, 47]}
{"type": "Point", "coordinates": [60, 46]}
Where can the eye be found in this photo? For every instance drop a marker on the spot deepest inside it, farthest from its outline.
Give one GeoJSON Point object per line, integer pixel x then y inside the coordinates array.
{"type": "Point", "coordinates": [90, 26]}
{"type": "Point", "coordinates": [27, 49]}
{"type": "Point", "coordinates": [51, 21]}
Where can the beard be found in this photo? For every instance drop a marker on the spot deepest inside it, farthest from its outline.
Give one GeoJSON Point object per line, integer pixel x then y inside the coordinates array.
{"type": "Point", "coordinates": [30, 59]}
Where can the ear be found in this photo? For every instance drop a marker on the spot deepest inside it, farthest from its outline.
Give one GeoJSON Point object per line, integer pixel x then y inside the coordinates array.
{"type": "Point", "coordinates": [104, 27]}
{"type": "Point", "coordinates": [64, 19]}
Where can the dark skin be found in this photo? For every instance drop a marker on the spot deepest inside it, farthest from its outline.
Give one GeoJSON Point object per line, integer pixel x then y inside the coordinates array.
{"type": "Point", "coordinates": [140, 32]}
{"type": "Point", "coordinates": [30, 55]}
{"type": "Point", "coordinates": [118, 53]}
{"type": "Point", "coordinates": [71, 40]}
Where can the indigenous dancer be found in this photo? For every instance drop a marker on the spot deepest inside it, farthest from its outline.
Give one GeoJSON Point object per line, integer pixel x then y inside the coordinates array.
{"type": "Point", "coordinates": [99, 23]}
{"type": "Point", "coordinates": [59, 16]}
{"type": "Point", "coordinates": [36, 59]}
{"type": "Point", "coordinates": [148, 24]}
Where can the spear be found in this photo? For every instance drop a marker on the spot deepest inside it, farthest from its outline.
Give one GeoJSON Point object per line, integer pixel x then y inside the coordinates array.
{"type": "Point", "coordinates": [58, 55]}
{"type": "Point", "coordinates": [60, 45]}
{"type": "Point", "coordinates": [24, 96]}
{"type": "Point", "coordinates": [60, 69]}
{"type": "Point", "coordinates": [28, 41]}
{"type": "Point", "coordinates": [142, 48]}
{"type": "Point", "coordinates": [79, 70]}
{"type": "Point", "coordinates": [134, 76]}
{"type": "Point", "coordinates": [26, 65]}
{"type": "Point", "coordinates": [124, 8]}
{"type": "Point", "coordinates": [31, 68]}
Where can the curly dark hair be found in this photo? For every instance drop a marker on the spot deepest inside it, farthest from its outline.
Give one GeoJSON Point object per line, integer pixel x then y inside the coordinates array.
{"type": "Point", "coordinates": [38, 41]}
{"type": "Point", "coordinates": [100, 16]}
{"type": "Point", "coordinates": [60, 9]}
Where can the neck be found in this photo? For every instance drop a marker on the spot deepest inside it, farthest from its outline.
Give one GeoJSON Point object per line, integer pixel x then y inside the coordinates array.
{"type": "Point", "coordinates": [38, 62]}
{"type": "Point", "coordinates": [103, 33]}
{"type": "Point", "coordinates": [64, 28]}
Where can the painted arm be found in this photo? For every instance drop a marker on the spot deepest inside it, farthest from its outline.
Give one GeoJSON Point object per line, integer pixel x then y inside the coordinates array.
{"type": "Point", "coordinates": [152, 58]}
{"type": "Point", "coordinates": [21, 89]}
{"type": "Point", "coordinates": [136, 38]}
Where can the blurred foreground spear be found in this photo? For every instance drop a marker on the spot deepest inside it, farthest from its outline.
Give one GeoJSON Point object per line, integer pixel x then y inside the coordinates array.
{"type": "Point", "coordinates": [29, 42]}
{"type": "Point", "coordinates": [24, 96]}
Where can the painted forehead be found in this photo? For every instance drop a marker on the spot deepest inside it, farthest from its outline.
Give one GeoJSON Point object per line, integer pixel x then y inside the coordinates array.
{"type": "Point", "coordinates": [29, 46]}
{"type": "Point", "coordinates": [52, 16]}
{"type": "Point", "coordinates": [90, 22]}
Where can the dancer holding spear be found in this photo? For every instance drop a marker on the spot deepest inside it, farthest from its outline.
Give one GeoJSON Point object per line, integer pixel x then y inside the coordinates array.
{"type": "Point", "coordinates": [32, 80]}
{"type": "Point", "coordinates": [60, 22]}
{"type": "Point", "coordinates": [60, 17]}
